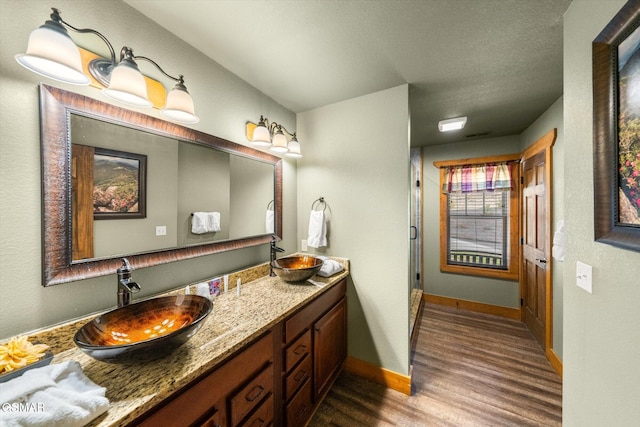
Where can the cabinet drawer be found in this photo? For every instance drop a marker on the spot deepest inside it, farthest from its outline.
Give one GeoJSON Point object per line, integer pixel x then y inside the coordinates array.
{"type": "Point", "coordinates": [204, 395]}
{"type": "Point", "coordinates": [249, 396]}
{"type": "Point", "coordinates": [310, 313]}
{"type": "Point", "coordinates": [296, 351]}
{"type": "Point", "coordinates": [299, 410]}
{"type": "Point", "coordinates": [263, 416]}
{"type": "Point", "coordinates": [298, 377]}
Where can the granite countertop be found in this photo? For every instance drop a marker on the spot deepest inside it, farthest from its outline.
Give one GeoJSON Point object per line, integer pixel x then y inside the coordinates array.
{"type": "Point", "coordinates": [234, 322]}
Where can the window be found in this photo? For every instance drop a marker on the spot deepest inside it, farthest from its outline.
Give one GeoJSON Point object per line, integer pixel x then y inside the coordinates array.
{"type": "Point", "coordinates": [478, 229]}
{"type": "Point", "coordinates": [479, 218]}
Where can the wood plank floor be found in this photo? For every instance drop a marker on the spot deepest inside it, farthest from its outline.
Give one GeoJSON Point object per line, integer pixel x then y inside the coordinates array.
{"type": "Point", "coordinates": [470, 369]}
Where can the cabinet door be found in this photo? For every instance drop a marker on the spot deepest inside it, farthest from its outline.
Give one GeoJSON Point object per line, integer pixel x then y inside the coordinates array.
{"type": "Point", "coordinates": [329, 347]}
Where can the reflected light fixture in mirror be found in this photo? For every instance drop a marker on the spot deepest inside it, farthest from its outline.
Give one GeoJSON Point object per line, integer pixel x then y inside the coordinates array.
{"type": "Point", "coordinates": [272, 135]}
{"type": "Point", "coordinates": [52, 53]}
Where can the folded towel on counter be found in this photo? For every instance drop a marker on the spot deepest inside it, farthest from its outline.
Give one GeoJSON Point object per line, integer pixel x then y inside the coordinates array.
{"type": "Point", "coordinates": [270, 221]}
{"type": "Point", "coordinates": [317, 230]}
{"type": "Point", "coordinates": [55, 395]}
{"type": "Point", "coordinates": [205, 222]}
{"type": "Point", "coordinates": [329, 267]}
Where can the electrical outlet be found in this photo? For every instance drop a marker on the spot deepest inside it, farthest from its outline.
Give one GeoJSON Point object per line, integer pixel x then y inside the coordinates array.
{"type": "Point", "coordinates": [161, 230]}
{"type": "Point", "coordinates": [583, 276]}
{"type": "Point", "coordinates": [303, 245]}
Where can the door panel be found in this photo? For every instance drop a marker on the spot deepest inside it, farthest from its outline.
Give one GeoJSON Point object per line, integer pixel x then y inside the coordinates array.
{"type": "Point", "coordinates": [534, 249]}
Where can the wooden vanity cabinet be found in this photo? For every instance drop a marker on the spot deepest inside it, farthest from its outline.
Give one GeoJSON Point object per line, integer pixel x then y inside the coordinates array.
{"type": "Point", "coordinates": [240, 392]}
{"type": "Point", "coordinates": [315, 345]}
{"type": "Point", "coordinates": [279, 379]}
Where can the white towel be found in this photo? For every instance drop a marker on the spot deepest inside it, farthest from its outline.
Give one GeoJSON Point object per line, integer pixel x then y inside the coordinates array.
{"type": "Point", "coordinates": [205, 222]}
{"type": "Point", "coordinates": [317, 230]}
{"type": "Point", "coordinates": [54, 395]}
{"type": "Point", "coordinates": [329, 267]}
{"type": "Point", "coordinates": [270, 221]}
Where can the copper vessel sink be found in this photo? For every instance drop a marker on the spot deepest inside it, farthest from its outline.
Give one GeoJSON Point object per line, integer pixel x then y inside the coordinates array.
{"type": "Point", "coordinates": [143, 331]}
{"type": "Point", "coordinates": [297, 268]}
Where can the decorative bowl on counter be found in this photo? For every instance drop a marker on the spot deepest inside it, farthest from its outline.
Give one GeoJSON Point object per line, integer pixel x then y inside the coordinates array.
{"type": "Point", "coordinates": [143, 331]}
{"type": "Point", "coordinates": [296, 268]}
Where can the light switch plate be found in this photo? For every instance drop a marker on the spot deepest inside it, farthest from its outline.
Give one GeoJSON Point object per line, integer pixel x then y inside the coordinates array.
{"type": "Point", "coordinates": [584, 276]}
{"type": "Point", "coordinates": [161, 230]}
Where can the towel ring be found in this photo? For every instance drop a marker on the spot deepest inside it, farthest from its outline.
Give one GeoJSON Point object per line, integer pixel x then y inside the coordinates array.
{"type": "Point", "coordinates": [270, 205]}
{"type": "Point", "coordinates": [319, 201]}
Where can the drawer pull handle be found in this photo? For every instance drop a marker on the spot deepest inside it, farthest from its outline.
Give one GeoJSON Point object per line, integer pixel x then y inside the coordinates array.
{"type": "Point", "coordinates": [299, 349]}
{"type": "Point", "coordinates": [254, 394]}
{"type": "Point", "coordinates": [300, 376]}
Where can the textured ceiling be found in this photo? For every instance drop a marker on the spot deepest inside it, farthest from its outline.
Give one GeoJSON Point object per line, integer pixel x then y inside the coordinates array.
{"type": "Point", "coordinates": [499, 62]}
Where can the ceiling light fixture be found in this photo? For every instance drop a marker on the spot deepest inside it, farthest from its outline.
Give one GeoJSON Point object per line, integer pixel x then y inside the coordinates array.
{"type": "Point", "coordinates": [52, 53]}
{"type": "Point", "coordinates": [452, 124]}
{"type": "Point", "coordinates": [272, 135]}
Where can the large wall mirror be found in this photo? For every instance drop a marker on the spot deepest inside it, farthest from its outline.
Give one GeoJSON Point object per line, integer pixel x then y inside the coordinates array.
{"type": "Point", "coordinates": [119, 183]}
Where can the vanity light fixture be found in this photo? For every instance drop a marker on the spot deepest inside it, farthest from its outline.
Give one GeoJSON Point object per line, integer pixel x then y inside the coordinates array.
{"type": "Point", "coordinates": [272, 135]}
{"type": "Point", "coordinates": [452, 124]}
{"type": "Point", "coordinates": [52, 53]}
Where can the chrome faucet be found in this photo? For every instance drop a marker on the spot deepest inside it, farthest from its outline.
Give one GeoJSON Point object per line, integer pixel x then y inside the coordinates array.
{"type": "Point", "coordinates": [126, 286]}
{"type": "Point", "coordinates": [274, 249]}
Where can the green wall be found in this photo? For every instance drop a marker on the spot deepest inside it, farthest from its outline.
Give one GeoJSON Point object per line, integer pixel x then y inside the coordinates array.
{"type": "Point", "coordinates": [601, 352]}
{"type": "Point", "coordinates": [357, 158]}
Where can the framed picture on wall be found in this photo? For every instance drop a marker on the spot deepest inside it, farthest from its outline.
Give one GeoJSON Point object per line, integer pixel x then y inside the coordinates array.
{"type": "Point", "coordinates": [119, 184]}
{"type": "Point", "coordinates": [616, 133]}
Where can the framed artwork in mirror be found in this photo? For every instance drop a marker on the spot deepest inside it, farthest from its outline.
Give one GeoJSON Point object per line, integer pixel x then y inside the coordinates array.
{"type": "Point", "coordinates": [616, 133]}
{"type": "Point", "coordinates": [119, 184]}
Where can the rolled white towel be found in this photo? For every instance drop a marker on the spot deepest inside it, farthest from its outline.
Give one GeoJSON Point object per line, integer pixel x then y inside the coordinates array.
{"type": "Point", "coordinates": [58, 394]}
{"type": "Point", "coordinates": [329, 267]}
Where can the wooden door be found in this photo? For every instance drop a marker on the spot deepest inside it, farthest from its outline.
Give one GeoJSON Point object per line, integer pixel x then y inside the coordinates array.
{"type": "Point", "coordinates": [81, 202]}
{"type": "Point", "coordinates": [534, 246]}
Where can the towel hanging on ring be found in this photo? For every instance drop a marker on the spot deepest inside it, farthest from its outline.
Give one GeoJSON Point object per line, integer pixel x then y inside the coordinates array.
{"type": "Point", "coordinates": [317, 236]}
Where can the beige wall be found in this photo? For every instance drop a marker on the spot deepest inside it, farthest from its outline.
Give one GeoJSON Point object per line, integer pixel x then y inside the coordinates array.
{"type": "Point", "coordinates": [601, 330]}
{"type": "Point", "coordinates": [480, 289]}
{"type": "Point", "coordinates": [357, 158]}
{"type": "Point", "coordinates": [223, 101]}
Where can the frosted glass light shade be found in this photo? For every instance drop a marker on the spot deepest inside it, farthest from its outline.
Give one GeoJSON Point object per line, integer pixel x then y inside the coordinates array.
{"type": "Point", "coordinates": [279, 144]}
{"type": "Point", "coordinates": [179, 106]}
{"type": "Point", "coordinates": [261, 136]}
{"type": "Point", "coordinates": [127, 85]}
{"type": "Point", "coordinates": [294, 149]}
{"type": "Point", "coordinates": [52, 53]}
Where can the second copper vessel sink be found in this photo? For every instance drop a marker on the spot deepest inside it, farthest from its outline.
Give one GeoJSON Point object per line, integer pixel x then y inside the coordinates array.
{"type": "Point", "coordinates": [296, 268]}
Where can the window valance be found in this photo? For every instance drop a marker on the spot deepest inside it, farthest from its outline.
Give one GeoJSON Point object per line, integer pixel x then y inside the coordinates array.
{"type": "Point", "coordinates": [479, 177]}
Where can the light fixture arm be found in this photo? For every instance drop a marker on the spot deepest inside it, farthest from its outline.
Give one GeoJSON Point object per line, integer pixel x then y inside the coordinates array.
{"type": "Point", "coordinates": [179, 79]}
{"type": "Point", "coordinates": [55, 17]}
{"type": "Point", "coordinates": [291, 134]}
{"type": "Point", "coordinates": [273, 126]}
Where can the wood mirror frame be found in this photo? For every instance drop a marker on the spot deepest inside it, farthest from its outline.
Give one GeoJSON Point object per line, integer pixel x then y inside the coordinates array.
{"type": "Point", "coordinates": [56, 106]}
